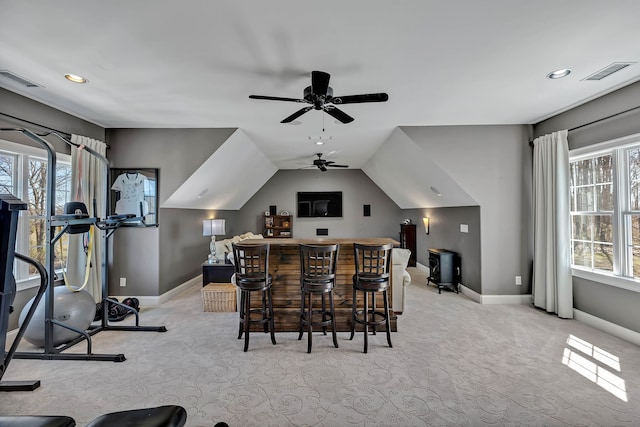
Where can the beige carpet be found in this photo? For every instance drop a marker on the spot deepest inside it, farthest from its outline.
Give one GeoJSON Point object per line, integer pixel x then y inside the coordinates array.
{"type": "Point", "coordinates": [453, 362]}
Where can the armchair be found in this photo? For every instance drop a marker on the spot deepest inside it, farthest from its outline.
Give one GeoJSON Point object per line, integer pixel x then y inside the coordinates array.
{"type": "Point", "coordinates": [401, 278]}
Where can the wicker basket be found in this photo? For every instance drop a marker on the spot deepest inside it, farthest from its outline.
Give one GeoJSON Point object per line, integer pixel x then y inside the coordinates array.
{"type": "Point", "coordinates": [219, 297]}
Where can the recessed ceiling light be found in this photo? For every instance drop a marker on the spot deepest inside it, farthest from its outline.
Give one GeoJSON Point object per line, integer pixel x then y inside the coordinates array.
{"type": "Point", "coordinates": [558, 74]}
{"type": "Point", "coordinates": [75, 78]}
{"type": "Point", "coordinates": [319, 143]}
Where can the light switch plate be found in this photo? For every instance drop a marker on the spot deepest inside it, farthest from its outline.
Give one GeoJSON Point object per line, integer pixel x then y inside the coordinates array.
{"type": "Point", "coordinates": [464, 228]}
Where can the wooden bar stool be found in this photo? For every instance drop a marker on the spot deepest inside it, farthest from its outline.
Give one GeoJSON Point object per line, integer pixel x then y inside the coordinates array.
{"type": "Point", "coordinates": [317, 277]}
{"type": "Point", "coordinates": [252, 275]}
{"type": "Point", "coordinates": [373, 264]}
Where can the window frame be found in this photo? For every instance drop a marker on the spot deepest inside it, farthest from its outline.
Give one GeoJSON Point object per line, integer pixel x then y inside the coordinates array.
{"type": "Point", "coordinates": [23, 154]}
{"type": "Point", "coordinates": [618, 149]}
{"type": "Point", "coordinates": [14, 166]}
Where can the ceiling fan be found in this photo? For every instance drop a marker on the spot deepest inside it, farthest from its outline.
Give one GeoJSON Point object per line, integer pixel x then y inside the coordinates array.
{"type": "Point", "coordinates": [320, 97]}
{"type": "Point", "coordinates": [323, 164]}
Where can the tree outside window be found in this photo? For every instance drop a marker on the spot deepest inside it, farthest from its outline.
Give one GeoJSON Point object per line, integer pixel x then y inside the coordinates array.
{"type": "Point", "coordinates": [592, 213]}
{"type": "Point", "coordinates": [605, 232]}
{"type": "Point", "coordinates": [7, 173]}
{"type": "Point", "coordinates": [37, 191]}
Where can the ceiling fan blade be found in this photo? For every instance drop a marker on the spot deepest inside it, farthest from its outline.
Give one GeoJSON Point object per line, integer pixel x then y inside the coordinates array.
{"type": "Point", "coordinates": [356, 99]}
{"type": "Point", "coordinates": [338, 114]}
{"type": "Point", "coordinates": [276, 98]}
{"type": "Point", "coordinates": [338, 166]}
{"type": "Point", "coordinates": [296, 115]}
{"type": "Point", "coordinates": [322, 168]}
{"type": "Point", "coordinates": [319, 82]}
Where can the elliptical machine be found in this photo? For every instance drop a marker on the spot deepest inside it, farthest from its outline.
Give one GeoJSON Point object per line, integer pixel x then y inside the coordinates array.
{"type": "Point", "coordinates": [9, 210]}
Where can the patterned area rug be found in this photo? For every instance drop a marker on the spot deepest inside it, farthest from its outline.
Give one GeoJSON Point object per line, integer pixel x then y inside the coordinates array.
{"type": "Point", "coordinates": [453, 362]}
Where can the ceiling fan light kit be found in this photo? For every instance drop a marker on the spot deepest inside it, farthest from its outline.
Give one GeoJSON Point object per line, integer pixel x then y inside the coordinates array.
{"type": "Point", "coordinates": [319, 96]}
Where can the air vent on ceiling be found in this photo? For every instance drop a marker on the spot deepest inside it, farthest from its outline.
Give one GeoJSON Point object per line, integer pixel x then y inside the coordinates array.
{"type": "Point", "coordinates": [608, 70]}
{"type": "Point", "coordinates": [16, 78]}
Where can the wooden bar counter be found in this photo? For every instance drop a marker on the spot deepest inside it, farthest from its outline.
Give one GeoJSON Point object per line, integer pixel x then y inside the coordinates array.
{"type": "Point", "coordinates": [284, 265]}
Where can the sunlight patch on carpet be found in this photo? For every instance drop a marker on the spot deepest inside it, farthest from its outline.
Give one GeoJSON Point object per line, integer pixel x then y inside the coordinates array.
{"type": "Point", "coordinates": [589, 367]}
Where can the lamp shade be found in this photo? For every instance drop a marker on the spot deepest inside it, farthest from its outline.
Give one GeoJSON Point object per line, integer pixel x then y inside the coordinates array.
{"type": "Point", "coordinates": [426, 221]}
{"type": "Point", "coordinates": [213, 227]}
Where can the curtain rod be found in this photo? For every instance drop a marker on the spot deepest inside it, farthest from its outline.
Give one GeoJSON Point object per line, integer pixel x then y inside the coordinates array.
{"type": "Point", "coordinates": [598, 120]}
{"type": "Point", "coordinates": [603, 119]}
{"type": "Point", "coordinates": [67, 134]}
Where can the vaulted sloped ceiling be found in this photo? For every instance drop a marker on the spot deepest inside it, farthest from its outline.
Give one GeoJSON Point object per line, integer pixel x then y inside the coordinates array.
{"type": "Point", "coordinates": [406, 173]}
{"type": "Point", "coordinates": [238, 169]}
{"type": "Point", "coordinates": [227, 179]}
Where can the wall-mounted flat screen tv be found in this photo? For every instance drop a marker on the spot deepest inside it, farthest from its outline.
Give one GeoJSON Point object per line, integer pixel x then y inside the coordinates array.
{"type": "Point", "coordinates": [317, 204]}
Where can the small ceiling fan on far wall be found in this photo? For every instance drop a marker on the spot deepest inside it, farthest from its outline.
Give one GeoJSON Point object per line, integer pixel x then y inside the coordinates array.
{"type": "Point", "coordinates": [323, 164]}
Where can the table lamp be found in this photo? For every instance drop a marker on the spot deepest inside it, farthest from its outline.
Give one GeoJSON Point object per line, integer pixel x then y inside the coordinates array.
{"type": "Point", "coordinates": [212, 227]}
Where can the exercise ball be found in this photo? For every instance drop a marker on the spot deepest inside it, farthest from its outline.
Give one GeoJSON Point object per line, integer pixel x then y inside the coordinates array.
{"type": "Point", "coordinates": [75, 309]}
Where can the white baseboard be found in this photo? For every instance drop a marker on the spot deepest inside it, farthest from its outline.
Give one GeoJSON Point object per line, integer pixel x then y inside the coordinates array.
{"type": "Point", "coordinates": [487, 299]}
{"type": "Point", "coordinates": [608, 327]}
{"type": "Point", "coordinates": [11, 335]}
{"type": "Point", "coordinates": [495, 299]}
{"type": "Point", "coordinates": [422, 267]}
{"type": "Point", "coordinates": [147, 301]}
{"type": "Point", "coordinates": [144, 301]}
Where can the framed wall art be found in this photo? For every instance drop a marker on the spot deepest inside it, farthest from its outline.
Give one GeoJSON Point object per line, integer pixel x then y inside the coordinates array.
{"type": "Point", "coordinates": [134, 191]}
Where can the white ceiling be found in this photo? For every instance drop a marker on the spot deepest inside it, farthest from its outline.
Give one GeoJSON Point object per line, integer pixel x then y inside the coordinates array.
{"type": "Point", "coordinates": [167, 63]}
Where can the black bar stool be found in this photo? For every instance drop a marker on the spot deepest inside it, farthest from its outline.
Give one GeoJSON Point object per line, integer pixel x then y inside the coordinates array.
{"type": "Point", "coordinates": [252, 275]}
{"type": "Point", "coordinates": [373, 264]}
{"type": "Point", "coordinates": [317, 277]}
{"type": "Point", "coordinates": [161, 416]}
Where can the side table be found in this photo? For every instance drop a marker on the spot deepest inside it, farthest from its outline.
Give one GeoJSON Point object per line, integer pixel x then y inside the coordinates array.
{"type": "Point", "coordinates": [216, 273]}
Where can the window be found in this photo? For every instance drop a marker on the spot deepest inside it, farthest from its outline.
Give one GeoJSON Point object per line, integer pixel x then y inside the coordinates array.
{"type": "Point", "coordinates": [592, 213]}
{"type": "Point", "coordinates": [605, 209]}
{"type": "Point", "coordinates": [7, 172]}
{"type": "Point", "coordinates": [23, 173]}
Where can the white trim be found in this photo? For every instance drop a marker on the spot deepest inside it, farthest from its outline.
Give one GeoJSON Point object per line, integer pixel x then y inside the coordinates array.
{"type": "Point", "coordinates": [471, 294]}
{"type": "Point", "coordinates": [148, 301]}
{"type": "Point", "coordinates": [627, 283]}
{"type": "Point", "coordinates": [525, 299]}
{"type": "Point", "coordinates": [153, 301]}
{"type": "Point", "coordinates": [11, 335]}
{"type": "Point", "coordinates": [602, 147]}
{"type": "Point", "coordinates": [611, 328]}
{"type": "Point", "coordinates": [422, 267]}
{"type": "Point", "coordinates": [24, 284]}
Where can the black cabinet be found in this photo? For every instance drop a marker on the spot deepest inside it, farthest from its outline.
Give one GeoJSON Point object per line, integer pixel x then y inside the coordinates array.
{"type": "Point", "coordinates": [444, 269]}
{"type": "Point", "coordinates": [217, 273]}
{"type": "Point", "coordinates": [408, 241]}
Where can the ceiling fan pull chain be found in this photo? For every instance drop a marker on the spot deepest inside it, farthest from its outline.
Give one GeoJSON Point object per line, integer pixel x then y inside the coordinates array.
{"type": "Point", "coordinates": [323, 123]}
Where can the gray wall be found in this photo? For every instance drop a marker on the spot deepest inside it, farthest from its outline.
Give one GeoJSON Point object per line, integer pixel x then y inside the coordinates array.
{"type": "Point", "coordinates": [153, 260]}
{"type": "Point", "coordinates": [183, 248]}
{"type": "Point", "coordinates": [19, 106]}
{"type": "Point", "coordinates": [616, 305]}
{"type": "Point", "coordinates": [444, 233]}
{"type": "Point", "coordinates": [493, 165]}
{"type": "Point", "coordinates": [357, 190]}
{"type": "Point", "coordinates": [24, 108]}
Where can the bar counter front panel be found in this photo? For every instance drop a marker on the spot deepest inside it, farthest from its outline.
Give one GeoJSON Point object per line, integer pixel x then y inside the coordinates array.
{"type": "Point", "coordinates": [284, 265]}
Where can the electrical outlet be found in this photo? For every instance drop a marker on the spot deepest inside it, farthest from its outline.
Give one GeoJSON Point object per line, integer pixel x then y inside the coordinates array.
{"type": "Point", "coordinates": [518, 280]}
{"type": "Point", "coordinates": [123, 281]}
